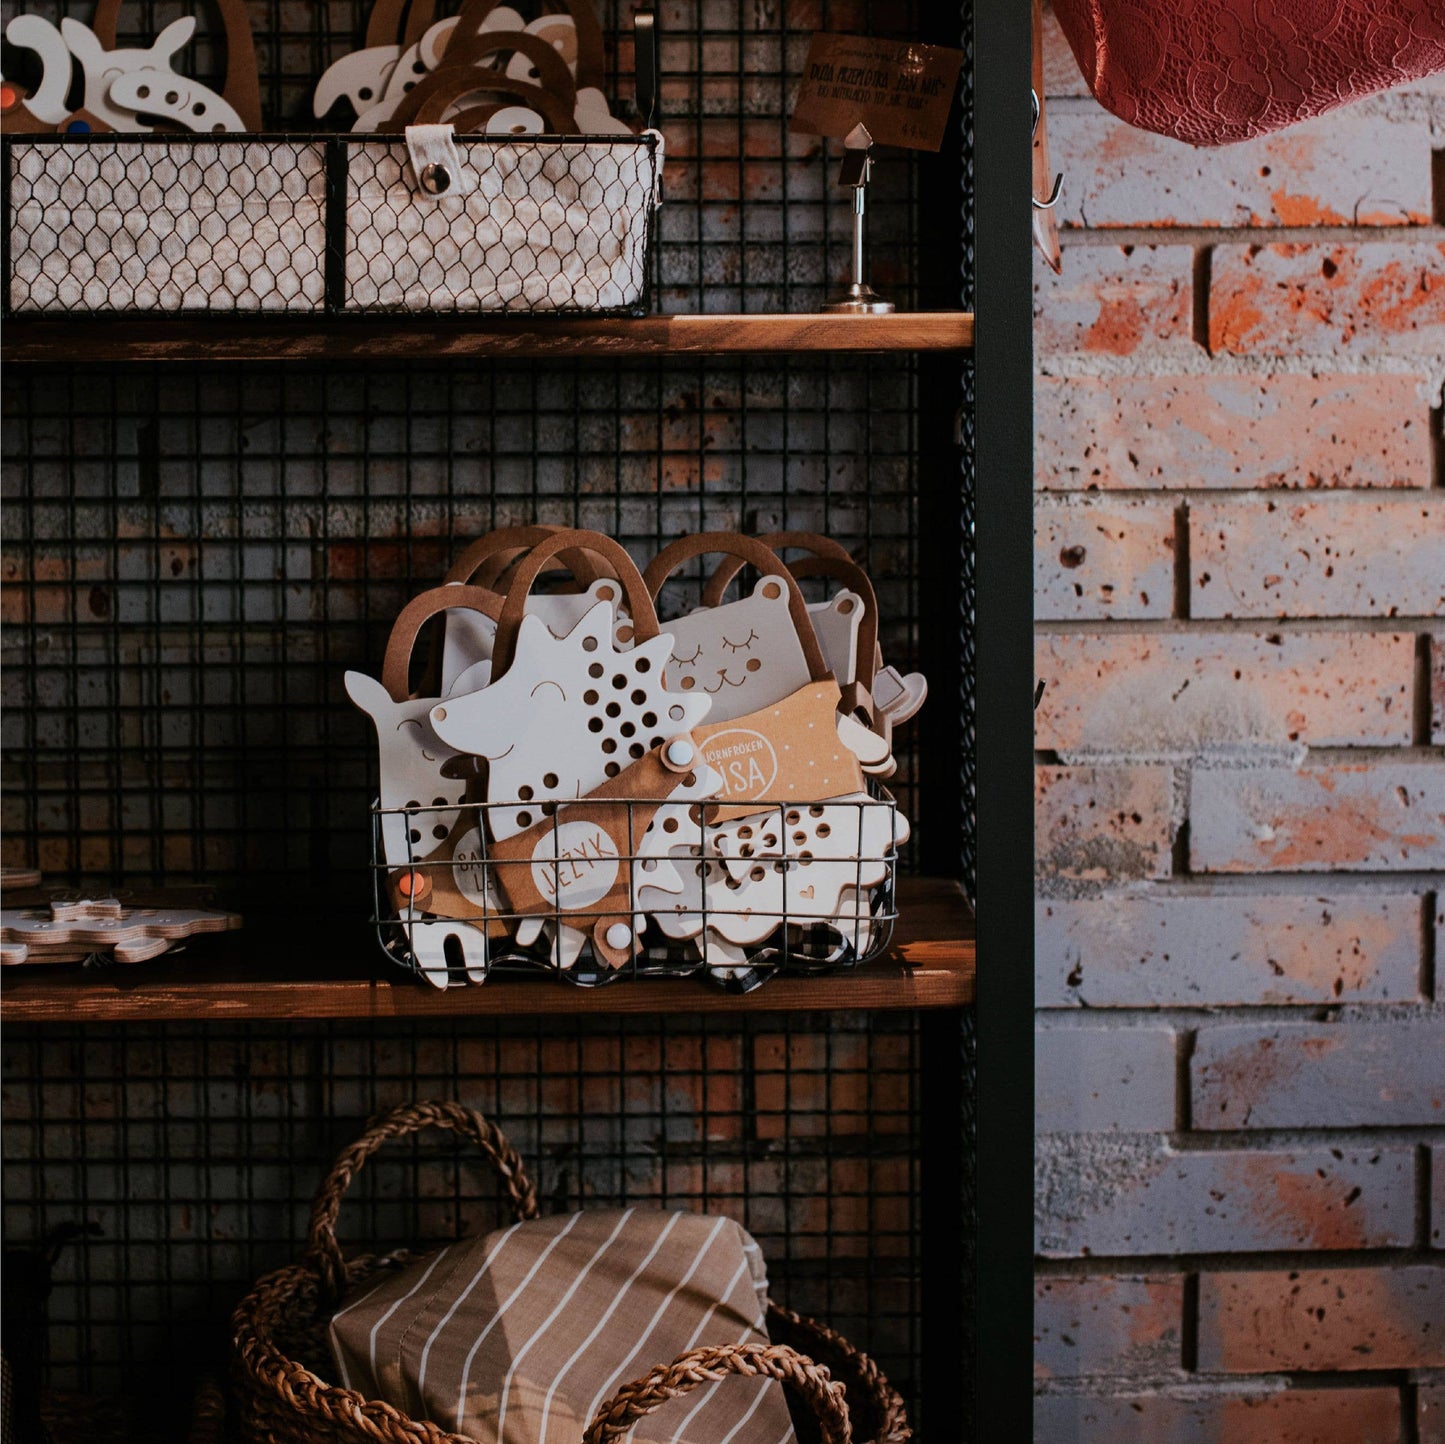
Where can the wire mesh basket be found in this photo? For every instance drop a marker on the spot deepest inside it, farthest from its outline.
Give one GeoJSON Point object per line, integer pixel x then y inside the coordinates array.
{"type": "Point", "coordinates": [790, 886]}
{"type": "Point", "coordinates": [326, 225]}
{"type": "Point", "coordinates": [181, 223]}
{"type": "Point", "coordinates": [545, 225]}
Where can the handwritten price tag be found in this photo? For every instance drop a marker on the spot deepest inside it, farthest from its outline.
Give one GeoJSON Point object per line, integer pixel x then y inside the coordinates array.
{"type": "Point", "coordinates": [901, 91]}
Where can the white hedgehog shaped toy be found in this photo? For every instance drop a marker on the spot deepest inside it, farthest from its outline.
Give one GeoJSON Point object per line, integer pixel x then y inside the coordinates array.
{"type": "Point", "coordinates": [569, 713]}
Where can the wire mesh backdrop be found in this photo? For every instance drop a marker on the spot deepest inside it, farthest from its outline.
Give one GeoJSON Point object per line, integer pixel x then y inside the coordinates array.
{"type": "Point", "coordinates": [195, 1151]}
{"type": "Point", "coordinates": [194, 555]}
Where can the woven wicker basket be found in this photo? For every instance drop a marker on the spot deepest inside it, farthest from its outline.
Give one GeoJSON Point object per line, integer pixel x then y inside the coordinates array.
{"type": "Point", "coordinates": [281, 1396]}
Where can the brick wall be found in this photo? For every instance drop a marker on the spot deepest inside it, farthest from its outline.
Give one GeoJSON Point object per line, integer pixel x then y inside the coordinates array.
{"type": "Point", "coordinates": [1240, 600]}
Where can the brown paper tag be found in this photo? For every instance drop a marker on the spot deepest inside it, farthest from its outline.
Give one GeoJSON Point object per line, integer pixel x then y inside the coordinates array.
{"type": "Point", "coordinates": [901, 91]}
{"type": "Point", "coordinates": [789, 752]}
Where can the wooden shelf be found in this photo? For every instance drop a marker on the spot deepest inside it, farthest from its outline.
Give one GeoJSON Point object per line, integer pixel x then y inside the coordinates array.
{"type": "Point", "coordinates": [930, 964]}
{"type": "Point", "coordinates": [419, 338]}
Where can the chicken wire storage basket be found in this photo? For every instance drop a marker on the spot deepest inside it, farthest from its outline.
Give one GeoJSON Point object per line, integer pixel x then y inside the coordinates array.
{"type": "Point", "coordinates": [326, 225]}
{"type": "Point", "coordinates": [545, 225]}
{"type": "Point", "coordinates": [737, 921]}
{"type": "Point", "coordinates": [171, 224]}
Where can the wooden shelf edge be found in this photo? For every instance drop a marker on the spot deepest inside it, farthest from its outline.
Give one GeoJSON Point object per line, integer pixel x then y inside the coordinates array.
{"type": "Point", "coordinates": [411, 338]}
{"type": "Point", "coordinates": [930, 965]}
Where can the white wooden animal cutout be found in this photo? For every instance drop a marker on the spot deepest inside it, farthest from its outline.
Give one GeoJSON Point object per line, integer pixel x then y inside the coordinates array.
{"type": "Point", "coordinates": [359, 78]}
{"type": "Point", "coordinates": [569, 713]}
{"type": "Point", "coordinates": [745, 655]}
{"type": "Point", "coordinates": [470, 635]}
{"type": "Point", "coordinates": [411, 757]}
{"type": "Point", "coordinates": [121, 83]}
{"type": "Point", "coordinates": [836, 622]}
{"type": "Point", "coordinates": [34, 33]}
{"type": "Point", "coordinates": [804, 864]}
{"type": "Point", "coordinates": [898, 694]}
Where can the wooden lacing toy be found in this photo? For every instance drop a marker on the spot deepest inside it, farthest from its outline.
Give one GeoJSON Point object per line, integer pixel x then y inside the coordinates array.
{"type": "Point", "coordinates": [584, 744]}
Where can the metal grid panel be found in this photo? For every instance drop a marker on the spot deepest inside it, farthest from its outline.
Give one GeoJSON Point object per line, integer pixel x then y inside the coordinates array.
{"type": "Point", "coordinates": [194, 557]}
{"type": "Point", "coordinates": [196, 1150]}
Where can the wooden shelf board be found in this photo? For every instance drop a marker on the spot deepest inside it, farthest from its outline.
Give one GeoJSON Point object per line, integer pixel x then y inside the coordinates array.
{"type": "Point", "coordinates": [930, 964]}
{"type": "Point", "coordinates": [413, 338]}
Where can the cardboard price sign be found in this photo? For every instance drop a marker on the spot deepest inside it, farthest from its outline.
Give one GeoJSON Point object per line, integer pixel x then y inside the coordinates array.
{"type": "Point", "coordinates": [901, 91]}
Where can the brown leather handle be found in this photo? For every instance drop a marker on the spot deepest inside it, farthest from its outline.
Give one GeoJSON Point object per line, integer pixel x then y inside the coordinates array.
{"type": "Point", "coordinates": [323, 1252]}
{"type": "Point", "coordinates": [755, 554]}
{"type": "Point", "coordinates": [396, 667]}
{"type": "Point", "coordinates": [811, 1383]}
{"type": "Point", "coordinates": [643, 617]}
{"type": "Point", "coordinates": [591, 59]}
{"type": "Point", "coordinates": [827, 558]}
{"type": "Point", "coordinates": [450, 83]}
{"type": "Point", "coordinates": [780, 541]}
{"type": "Point", "coordinates": [242, 88]}
{"type": "Point", "coordinates": [419, 17]}
{"type": "Point", "coordinates": [383, 25]}
{"type": "Point", "coordinates": [486, 560]}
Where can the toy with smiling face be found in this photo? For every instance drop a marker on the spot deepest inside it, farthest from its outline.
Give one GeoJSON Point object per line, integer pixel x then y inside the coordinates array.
{"type": "Point", "coordinates": [745, 655]}
{"type": "Point", "coordinates": [568, 714]}
{"type": "Point", "coordinates": [748, 654]}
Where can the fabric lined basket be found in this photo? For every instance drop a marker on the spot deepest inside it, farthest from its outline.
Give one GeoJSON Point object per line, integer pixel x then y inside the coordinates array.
{"type": "Point", "coordinates": [185, 224]}
{"type": "Point", "coordinates": [547, 225]}
{"type": "Point", "coordinates": [280, 1331]}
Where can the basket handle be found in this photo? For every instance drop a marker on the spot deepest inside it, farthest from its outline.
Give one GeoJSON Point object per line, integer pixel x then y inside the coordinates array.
{"type": "Point", "coordinates": [487, 559]}
{"type": "Point", "coordinates": [764, 560]}
{"type": "Point", "coordinates": [242, 88]}
{"type": "Point", "coordinates": [396, 666]}
{"type": "Point", "coordinates": [323, 1253]}
{"type": "Point", "coordinates": [642, 617]}
{"type": "Point", "coordinates": [810, 1382]}
{"type": "Point", "coordinates": [827, 559]}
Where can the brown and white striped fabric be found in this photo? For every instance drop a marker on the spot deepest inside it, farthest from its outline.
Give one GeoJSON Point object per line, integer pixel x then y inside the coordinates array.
{"type": "Point", "coordinates": [519, 1337]}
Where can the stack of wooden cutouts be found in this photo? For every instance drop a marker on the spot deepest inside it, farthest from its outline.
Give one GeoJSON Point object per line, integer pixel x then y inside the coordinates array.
{"type": "Point", "coordinates": [487, 69]}
{"type": "Point", "coordinates": [127, 88]}
{"type": "Point", "coordinates": [567, 779]}
{"type": "Point", "coordinates": [52, 924]}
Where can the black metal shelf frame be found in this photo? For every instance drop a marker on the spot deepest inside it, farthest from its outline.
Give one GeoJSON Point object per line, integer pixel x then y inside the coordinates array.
{"type": "Point", "coordinates": [195, 555]}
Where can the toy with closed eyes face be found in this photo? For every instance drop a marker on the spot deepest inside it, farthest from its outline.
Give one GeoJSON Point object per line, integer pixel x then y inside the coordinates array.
{"type": "Point", "coordinates": [745, 655]}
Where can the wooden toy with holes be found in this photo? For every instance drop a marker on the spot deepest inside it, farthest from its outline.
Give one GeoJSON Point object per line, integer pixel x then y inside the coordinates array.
{"type": "Point", "coordinates": [68, 931]}
{"type": "Point", "coordinates": [563, 715]}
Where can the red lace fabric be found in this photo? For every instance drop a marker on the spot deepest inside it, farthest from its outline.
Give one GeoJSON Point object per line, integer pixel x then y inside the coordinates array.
{"type": "Point", "coordinates": [1215, 71]}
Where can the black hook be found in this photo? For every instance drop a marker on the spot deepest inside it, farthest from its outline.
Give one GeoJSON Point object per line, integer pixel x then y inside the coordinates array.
{"type": "Point", "coordinates": [1053, 199]}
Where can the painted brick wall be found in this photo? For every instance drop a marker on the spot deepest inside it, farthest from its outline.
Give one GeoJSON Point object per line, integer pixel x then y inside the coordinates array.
{"type": "Point", "coordinates": [1240, 600]}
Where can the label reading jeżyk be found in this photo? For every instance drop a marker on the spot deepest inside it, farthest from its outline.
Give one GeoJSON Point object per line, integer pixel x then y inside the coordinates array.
{"type": "Point", "coordinates": [575, 865]}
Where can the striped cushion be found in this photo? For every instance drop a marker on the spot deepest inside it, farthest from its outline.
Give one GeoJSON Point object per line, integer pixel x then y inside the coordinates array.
{"type": "Point", "coordinates": [520, 1336]}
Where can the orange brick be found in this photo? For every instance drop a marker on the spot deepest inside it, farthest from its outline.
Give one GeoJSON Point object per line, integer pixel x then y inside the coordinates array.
{"type": "Point", "coordinates": [1097, 558]}
{"type": "Point", "coordinates": [1371, 817]}
{"type": "Point", "coordinates": [1364, 300]}
{"type": "Point", "coordinates": [1189, 432]}
{"type": "Point", "coordinates": [1341, 557]}
{"type": "Point", "coordinates": [1337, 1319]}
{"type": "Point", "coordinates": [1106, 1326]}
{"type": "Point", "coordinates": [1165, 692]}
{"type": "Point", "coordinates": [1102, 823]}
{"type": "Point", "coordinates": [1296, 1416]}
{"type": "Point", "coordinates": [1131, 301]}
{"type": "Point", "coordinates": [1339, 170]}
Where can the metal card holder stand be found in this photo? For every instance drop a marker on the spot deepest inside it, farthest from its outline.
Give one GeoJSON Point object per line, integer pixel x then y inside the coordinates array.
{"type": "Point", "coordinates": [858, 298]}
